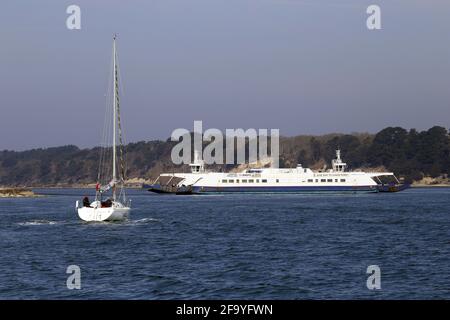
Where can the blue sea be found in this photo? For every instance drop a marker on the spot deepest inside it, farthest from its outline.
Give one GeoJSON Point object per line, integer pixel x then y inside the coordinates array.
{"type": "Point", "coordinates": [230, 246]}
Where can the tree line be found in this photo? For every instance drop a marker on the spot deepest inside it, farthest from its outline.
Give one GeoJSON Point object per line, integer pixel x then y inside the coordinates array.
{"type": "Point", "coordinates": [409, 153]}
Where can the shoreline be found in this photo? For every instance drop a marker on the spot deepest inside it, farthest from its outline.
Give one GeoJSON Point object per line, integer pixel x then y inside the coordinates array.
{"type": "Point", "coordinates": [77, 187]}
{"type": "Point", "coordinates": [15, 191]}
{"type": "Point", "coordinates": [430, 185]}
{"type": "Point", "coordinates": [18, 193]}
{"type": "Point", "coordinates": [139, 187]}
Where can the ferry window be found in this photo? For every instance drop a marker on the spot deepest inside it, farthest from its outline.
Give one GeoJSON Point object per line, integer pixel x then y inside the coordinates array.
{"type": "Point", "coordinates": [317, 180]}
{"type": "Point", "coordinates": [264, 180]}
{"type": "Point", "coordinates": [244, 180]}
{"type": "Point", "coordinates": [310, 180]}
{"type": "Point", "coordinates": [278, 180]}
{"type": "Point", "coordinates": [237, 181]}
{"type": "Point", "coordinates": [257, 180]}
{"type": "Point", "coordinates": [224, 181]}
{"type": "Point", "coordinates": [335, 180]}
{"type": "Point", "coordinates": [323, 180]}
{"type": "Point", "coordinates": [231, 181]}
{"type": "Point", "coordinates": [330, 180]}
{"type": "Point", "coordinates": [342, 180]}
{"type": "Point", "coordinates": [305, 170]}
{"type": "Point", "coordinates": [250, 181]}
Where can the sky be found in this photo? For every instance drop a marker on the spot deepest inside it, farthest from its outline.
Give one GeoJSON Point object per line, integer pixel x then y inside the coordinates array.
{"type": "Point", "coordinates": [301, 66]}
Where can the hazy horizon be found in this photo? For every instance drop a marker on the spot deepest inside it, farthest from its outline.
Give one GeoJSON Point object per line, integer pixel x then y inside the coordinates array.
{"type": "Point", "coordinates": [304, 67]}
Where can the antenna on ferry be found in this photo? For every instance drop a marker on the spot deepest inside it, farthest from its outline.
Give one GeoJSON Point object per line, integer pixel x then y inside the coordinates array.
{"type": "Point", "coordinates": [197, 165]}
{"type": "Point", "coordinates": [337, 164]}
{"type": "Point", "coordinates": [196, 156]}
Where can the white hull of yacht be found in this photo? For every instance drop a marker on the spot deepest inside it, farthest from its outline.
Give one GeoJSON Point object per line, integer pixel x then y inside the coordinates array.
{"type": "Point", "coordinates": [103, 214]}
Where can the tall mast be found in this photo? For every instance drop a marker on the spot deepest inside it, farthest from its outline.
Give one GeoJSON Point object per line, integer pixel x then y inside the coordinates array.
{"type": "Point", "coordinates": [115, 89]}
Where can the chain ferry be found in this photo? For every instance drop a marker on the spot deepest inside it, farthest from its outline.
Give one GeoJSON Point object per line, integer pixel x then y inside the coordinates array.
{"type": "Point", "coordinates": [299, 179]}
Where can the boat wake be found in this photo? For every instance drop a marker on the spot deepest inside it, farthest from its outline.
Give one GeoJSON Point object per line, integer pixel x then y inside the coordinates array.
{"type": "Point", "coordinates": [37, 223]}
{"type": "Point", "coordinates": [121, 223]}
{"type": "Point", "coordinates": [43, 222]}
{"type": "Point", "coordinates": [142, 221]}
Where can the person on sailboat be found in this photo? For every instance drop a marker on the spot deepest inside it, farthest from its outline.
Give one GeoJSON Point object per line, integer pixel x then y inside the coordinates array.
{"type": "Point", "coordinates": [107, 203]}
{"type": "Point", "coordinates": [86, 202]}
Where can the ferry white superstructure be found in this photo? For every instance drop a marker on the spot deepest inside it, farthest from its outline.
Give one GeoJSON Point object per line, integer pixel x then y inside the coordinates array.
{"type": "Point", "coordinates": [297, 179]}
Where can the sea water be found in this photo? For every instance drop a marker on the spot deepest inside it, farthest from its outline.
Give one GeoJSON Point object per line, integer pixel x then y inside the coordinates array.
{"type": "Point", "coordinates": [229, 246]}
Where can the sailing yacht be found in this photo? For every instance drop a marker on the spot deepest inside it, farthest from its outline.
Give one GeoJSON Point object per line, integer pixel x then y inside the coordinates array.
{"type": "Point", "coordinates": [110, 202]}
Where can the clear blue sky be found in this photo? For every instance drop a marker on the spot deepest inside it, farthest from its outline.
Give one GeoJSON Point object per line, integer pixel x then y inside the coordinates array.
{"type": "Point", "coordinates": [303, 66]}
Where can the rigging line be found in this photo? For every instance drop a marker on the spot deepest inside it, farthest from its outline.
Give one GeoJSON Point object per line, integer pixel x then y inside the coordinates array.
{"type": "Point", "coordinates": [121, 151]}
{"type": "Point", "coordinates": [119, 75]}
{"type": "Point", "coordinates": [117, 102]}
{"type": "Point", "coordinates": [122, 137]}
{"type": "Point", "coordinates": [106, 163]}
{"type": "Point", "coordinates": [104, 137]}
{"type": "Point", "coordinates": [122, 170]}
{"type": "Point", "coordinates": [122, 166]}
{"type": "Point", "coordinates": [124, 153]}
{"type": "Point", "coordinates": [121, 133]}
{"type": "Point", "coordinates": [105, 151]}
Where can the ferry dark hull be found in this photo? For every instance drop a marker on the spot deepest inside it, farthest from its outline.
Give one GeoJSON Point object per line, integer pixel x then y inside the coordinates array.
{"type": "Point", "coordinates": [165, 190]}
{"type": "Point", "coordinates": [393, 188]}
{"type": "Point", "coordinates": [262, 189]}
